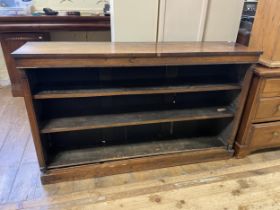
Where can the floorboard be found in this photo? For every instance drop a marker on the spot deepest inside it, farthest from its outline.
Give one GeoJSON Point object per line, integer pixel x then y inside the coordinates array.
{"type": "Point", "coordinates": [249, 183]}
{"type": "Point", "coordinates": [23, 187]}
{"type": "Point", "coordinates": [7, 177]}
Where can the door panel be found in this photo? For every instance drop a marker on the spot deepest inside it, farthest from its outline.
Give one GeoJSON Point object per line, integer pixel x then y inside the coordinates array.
{"type": "Point", "coordinates": [223, 20]}
{"type": "Point", "coordinates": [182, 20]}
{"type": "Point", "coordinates": [134, 20]}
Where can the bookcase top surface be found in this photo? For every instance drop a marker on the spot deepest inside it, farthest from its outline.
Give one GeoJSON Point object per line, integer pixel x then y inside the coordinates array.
{"type": "Point", "coordinates": [107, 49]}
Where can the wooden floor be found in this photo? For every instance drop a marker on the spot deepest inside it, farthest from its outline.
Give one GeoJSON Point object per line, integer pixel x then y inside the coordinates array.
{"type": "Point", "coordinates": [250, 183]}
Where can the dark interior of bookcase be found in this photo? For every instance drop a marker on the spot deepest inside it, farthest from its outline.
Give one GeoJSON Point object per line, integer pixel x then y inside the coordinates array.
{"type": "Point", "coordinates": [134, 77]}
{"type": "Point", "coordinates": [94, 115]}
{"type": "Point", "coordinates": [100, 145]}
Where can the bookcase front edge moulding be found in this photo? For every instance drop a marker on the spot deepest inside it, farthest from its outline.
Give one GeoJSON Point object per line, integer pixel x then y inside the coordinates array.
{"type": "Point", "coordinates": [98, 109]}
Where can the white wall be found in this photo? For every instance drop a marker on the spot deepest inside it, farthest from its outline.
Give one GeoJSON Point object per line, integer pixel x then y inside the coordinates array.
{"type": "Point", "coordinates": [68, 5]}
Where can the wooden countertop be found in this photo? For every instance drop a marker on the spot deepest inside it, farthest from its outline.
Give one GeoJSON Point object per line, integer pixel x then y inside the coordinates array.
{"type": "Point", "coordinates": [53, 23]}
{"type": "Point", "coordinates": [107, 49]}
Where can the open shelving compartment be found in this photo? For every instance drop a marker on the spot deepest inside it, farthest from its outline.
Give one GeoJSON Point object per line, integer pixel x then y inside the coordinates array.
{"type": "Point", "coordinates": [97, 115]}
{"type": "Point", "coordinates": [102, 145]}
{"type": "Point", "coordinates": [93, 82]}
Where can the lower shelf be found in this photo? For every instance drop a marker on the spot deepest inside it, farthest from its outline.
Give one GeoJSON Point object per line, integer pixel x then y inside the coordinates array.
{"type": "Point", "coordinates": [132, 165]}
{"type": "Point", "coordinates": [72, 157]}
{"type": "Point", "coordinates": [79, 92]}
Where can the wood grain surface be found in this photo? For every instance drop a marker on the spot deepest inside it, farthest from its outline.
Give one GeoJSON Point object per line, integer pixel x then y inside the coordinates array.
{"type": "Point", "coordinates": [265, 32]}
{"type": "Point", "coordinates": [136, 118]}
{"type": "Point", "coordinates": [265, 135]}
{"type": "Point", "coordinates": [105, 49]}
{"type": "Point", "coordinates": [74, 92]}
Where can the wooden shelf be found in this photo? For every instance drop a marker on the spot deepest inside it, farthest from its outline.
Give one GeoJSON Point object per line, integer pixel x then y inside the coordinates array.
{"type": "Point", "coordinates": [95, 92]}
{"type": "Point", "coordinates": [71, 157]}
{"type": "Point", "coordinates": [129, 119]}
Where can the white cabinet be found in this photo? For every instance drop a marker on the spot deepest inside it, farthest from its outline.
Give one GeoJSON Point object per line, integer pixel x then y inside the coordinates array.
{"type": "Point", "coordinates": [134, 20]}
{"type": "Point", "coordinates": [175, 20]}
{"type": "Point", "coordinates": [182, 20]}
{"type": "Point", "coordinates": [223, 20]}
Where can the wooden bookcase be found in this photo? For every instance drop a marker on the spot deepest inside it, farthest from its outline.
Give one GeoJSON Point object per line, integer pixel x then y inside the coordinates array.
{"type": "Point", "coordinates": [108, 108]}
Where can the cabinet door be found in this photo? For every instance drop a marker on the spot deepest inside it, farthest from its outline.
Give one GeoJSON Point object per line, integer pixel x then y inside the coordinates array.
{"type": "Point", "coordinates": [182, 20]}
{"type": "Point", "coordinates": [223, 20]}
{"type": "Point", "coordinates": [134, 20]}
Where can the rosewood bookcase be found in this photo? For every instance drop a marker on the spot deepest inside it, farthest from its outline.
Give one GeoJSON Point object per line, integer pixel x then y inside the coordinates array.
{"type": "Point", "coordinates": [99, 109]}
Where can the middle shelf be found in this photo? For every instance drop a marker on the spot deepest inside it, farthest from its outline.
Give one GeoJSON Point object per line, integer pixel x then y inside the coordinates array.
{"type": "Point", "coordinates": [74, 114]}
{"type": "Point", "coordinates": [46, 92]}
{"type": "Point", "coordinates": [138, 118]}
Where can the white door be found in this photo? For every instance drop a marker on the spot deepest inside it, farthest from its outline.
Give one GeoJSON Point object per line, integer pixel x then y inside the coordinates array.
{"type": "Point", "coordinates": [223, 20]}
{"type": "Point", "coordinates": [175, 20]}
{"type": "Point", "coordinates": [182, 20]}
{"type": "Point", "coordinates": [134, 20]}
